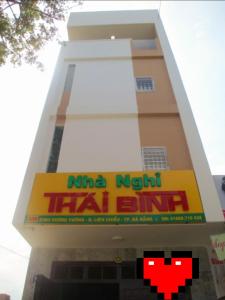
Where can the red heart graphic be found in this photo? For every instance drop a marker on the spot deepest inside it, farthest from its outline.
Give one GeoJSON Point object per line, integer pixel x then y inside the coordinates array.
{"type": "Point", "coordinates": [167, 277]}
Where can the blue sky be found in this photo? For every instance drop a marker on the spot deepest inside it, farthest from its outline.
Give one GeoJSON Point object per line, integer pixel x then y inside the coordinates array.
{"type": "Point", "coordinates": [196, 31]}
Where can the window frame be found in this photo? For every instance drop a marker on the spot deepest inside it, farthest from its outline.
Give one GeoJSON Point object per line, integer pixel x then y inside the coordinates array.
{"type": "Point", "coordinates": [142, 90]}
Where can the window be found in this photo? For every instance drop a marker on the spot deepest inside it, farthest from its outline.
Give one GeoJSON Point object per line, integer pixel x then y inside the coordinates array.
{"type": "Point", "coordinates": [144, 84]}
{"type": "Point", "coordinates": [76, 272]}
{"type": "Point", "coordinates": [128, 271]}
{"type": "Point", "coordinates": [95, 272]}
{"type": "Point", "coordinates": [109, 272]}
{"type": "Point", "coordinates": [55, 149]}
{"type": "Point", "coordinates": [69, 78]}
{"type": "Point", "coordinates": [61, 271]}
{"type": "Point", "coordinates": [154, 158]}
{"type": "Point", "coordinates": [143, 44]}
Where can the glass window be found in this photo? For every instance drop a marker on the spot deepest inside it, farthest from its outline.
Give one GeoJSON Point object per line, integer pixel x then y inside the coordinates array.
{"type": "Point", "coordinates": [55, 149]}
{"type": "Point", "coordinates": [61, 271]}
{"type": "Point", "coordinates": [76, 272]}
{"type": "Point", "coordinates": [109, 272]}
{"type": "Point", "coordinates": [94, 272]}
{"type": "Point", "coordinates": [128, 271]}
{"type": "Point", "coordinates": [144, 84]}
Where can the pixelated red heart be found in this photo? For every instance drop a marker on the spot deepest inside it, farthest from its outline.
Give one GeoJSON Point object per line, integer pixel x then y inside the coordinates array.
{"type": "Point", "coordinates": [167, 277]}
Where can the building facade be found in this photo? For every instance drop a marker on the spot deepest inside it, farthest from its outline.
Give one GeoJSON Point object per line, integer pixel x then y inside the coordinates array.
{"type": "Point", "coordinates": [117, 166]}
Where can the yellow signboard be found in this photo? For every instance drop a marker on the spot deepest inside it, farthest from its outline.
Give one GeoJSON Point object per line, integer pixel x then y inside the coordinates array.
{"type": "Point", "coordinates": [115, 198]}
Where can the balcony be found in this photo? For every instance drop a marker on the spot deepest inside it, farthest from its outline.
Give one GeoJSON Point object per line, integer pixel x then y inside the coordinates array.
{"type": "Point", "coordinates": [146, 48]}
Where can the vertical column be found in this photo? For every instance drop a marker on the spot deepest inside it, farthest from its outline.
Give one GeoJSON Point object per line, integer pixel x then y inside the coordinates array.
{"type": "Point", "coordinates": [60, 121]}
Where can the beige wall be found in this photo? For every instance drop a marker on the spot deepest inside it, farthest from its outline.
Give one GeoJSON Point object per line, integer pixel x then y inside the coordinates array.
{"type": "Point", "coordinates": [159, 121]}
{"type": "Point", "coordinates": [162, 98]}
{"type": "Point", "coordinates": [166, 131]}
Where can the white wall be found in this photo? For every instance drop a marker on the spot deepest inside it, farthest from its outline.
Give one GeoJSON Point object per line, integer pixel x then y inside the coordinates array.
{"type": "Point", "coordinates": [80, 53]}
{"type": "Point", "coordinates": [101, 132]}
{"type": "Point", "coordinates": [103, 80]}
{"type": "Point", "coordinates": [43, 140]}
{"type": "Point", "coordinates": [111, 17]}
{"type": "Point", "coordinates": [97, 49]}
{"type": "Point", "coordinates": [100, 144]}
{"type": "Point", "coordinates": [210, 199]}
{"type": "Point", "coordinates": [103, 86]}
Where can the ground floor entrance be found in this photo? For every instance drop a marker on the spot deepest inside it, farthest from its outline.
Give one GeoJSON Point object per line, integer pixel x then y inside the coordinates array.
{"type": "Point", "coordinates": [94, 280]}
{"type": "Point", "coordinates": [106, 274]}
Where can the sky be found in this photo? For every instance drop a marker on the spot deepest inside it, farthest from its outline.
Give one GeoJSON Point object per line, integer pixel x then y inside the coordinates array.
{"type": "Point", "coordinates": [196, 32]}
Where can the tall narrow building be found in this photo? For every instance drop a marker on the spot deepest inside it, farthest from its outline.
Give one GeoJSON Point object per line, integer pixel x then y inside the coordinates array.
{"type": "Point", "coordinates": [117, 166]}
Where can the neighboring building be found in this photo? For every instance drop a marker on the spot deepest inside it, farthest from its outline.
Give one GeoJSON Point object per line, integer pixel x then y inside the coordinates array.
{"type": "Point", "coordinates": [220, 186]}
{"type": "Point", "coordinates": [121, 164]}
{"type": "Point", "coordinates": [4, 297]}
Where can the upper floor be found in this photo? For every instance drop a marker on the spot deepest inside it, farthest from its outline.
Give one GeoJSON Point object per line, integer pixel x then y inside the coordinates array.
{"type": "Point", "coordinates": [136, 25]}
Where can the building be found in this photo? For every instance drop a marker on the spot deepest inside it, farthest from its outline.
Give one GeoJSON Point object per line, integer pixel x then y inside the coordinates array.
{"type": "Point", "coordinates": [220, 186]}
{"type": "Point", "coordinates": [117, 166]}
{"type": "Point", "coordinates": [4, 297]}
